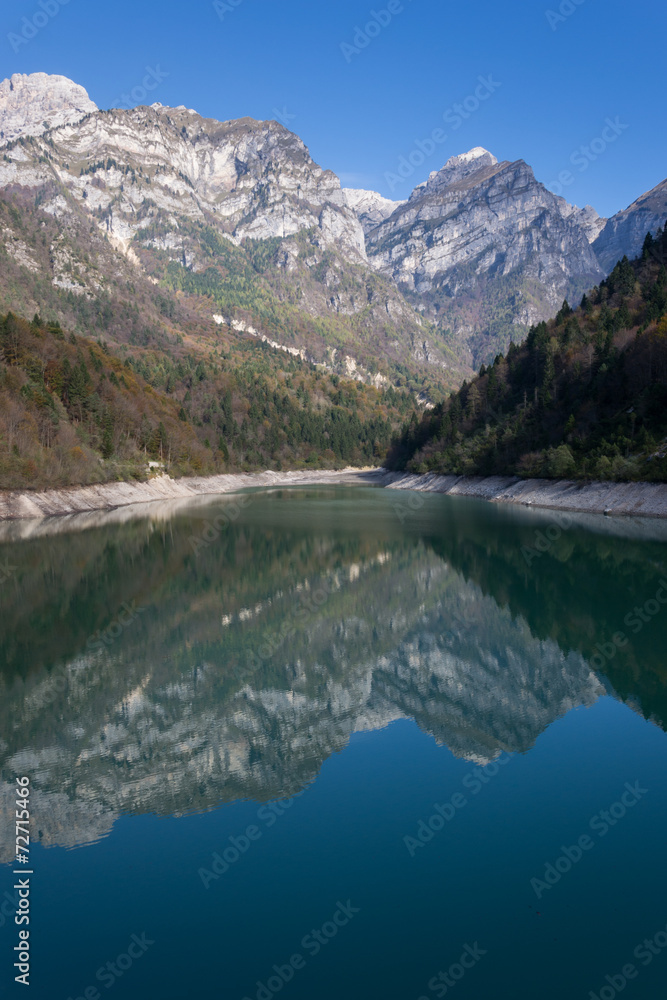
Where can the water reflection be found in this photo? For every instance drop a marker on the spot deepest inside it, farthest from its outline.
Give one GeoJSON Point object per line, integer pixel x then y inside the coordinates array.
{"type": "Point", "coordinates": [145, 671]}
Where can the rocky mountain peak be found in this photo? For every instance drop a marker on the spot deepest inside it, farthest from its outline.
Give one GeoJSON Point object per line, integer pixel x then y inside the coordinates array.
{"type": "Point", "coordinates": [33, 103]}
{"type": "Point", "coordinates": [586, 218]}
{"type": "Point", "coordinates": [256, 179]}
{"type": "Point", "coordinates": [624, 234]}
{"type": "Point", "coordinates": [370, 207]}
{"type": "Point", "coordinates": [456, 170]}
{"type": "Point", "coordinates": [482, 238]}
{"type": "Point", "coordinates": [470, 162]}
{"type": "Point", "coordinates": [481, 249]}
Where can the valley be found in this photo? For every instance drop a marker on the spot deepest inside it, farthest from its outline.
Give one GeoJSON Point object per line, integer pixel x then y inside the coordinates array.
{"type": "Point", "coordinates": [273, 317]}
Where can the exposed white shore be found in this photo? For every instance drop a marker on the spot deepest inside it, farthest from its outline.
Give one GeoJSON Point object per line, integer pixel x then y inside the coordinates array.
{"type": "Point", "coordinates": [617, 499]}
{"type": "Point", "coordinates": [613, 499]}
{"type": "Point", "coordinates": [17, 505]}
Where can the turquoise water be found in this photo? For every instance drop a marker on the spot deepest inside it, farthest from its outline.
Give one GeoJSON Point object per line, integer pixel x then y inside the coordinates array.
{"type": "Point", "coordinates": [337, 744]}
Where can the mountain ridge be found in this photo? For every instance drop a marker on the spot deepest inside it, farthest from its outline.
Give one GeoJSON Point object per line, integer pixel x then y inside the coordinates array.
{"type": "Point", "coordinates": [480, 224]}
{"type": "Point", "coordinates": [238, 213]}
{"type": "Point", "coordinates": [623, 235]}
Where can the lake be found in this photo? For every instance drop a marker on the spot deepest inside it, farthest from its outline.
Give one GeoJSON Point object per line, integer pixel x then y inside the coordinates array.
{"type": "Point", "coordinates": [337, 743]}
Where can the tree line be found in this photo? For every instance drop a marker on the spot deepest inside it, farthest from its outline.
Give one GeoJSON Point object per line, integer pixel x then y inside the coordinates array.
{"type": "Point", "coordinates": [584, 397]}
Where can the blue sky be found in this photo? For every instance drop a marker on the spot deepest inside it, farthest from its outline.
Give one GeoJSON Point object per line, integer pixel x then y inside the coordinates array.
{"type": "Point", "coordinates": [361, 102]}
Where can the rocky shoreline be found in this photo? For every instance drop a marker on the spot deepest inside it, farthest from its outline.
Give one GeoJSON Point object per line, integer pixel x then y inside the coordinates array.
{"type": "Point", "coordinates": [612, 499]}
{"type": "Point", "coordinates": [24, 504]}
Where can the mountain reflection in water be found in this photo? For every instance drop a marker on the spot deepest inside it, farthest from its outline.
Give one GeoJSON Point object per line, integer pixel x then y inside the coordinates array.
{"type": "Point", "coordinates": [152, 663]}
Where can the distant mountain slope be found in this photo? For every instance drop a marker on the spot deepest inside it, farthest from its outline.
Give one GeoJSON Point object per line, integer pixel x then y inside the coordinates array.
{"type": "Point", "coordinates": [623, 235]}
{"type": "Point", "coordinates": [252, 179]}
{"type": "Point", "coordinates": [587, 218]}
{"type": "Point", "coordinates": [237, 213]}
{"type": "Point", "coordinates": [71, 411]}
{"type": "Point", "coordinates": [584, 396]}
{"type": "Point", "coordinates": [148, 223]}
{"type": "Point", "coordinates": [484, 249]}
{"type": "Point", "coordinates": [370, 207]}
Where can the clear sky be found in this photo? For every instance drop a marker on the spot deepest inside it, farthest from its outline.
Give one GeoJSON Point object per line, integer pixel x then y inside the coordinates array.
{"type": "Point", "coordinates": [552, 80]}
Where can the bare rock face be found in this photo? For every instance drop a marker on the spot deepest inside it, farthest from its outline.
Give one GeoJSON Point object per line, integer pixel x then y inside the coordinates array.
{"type": "Point", "coordinates": [587, 218]}
{"type": "Point", "coordinates": [251, 179]}
{"type": "Point", "coordinates": [624, 233]}
{"type": "Point", "coordinates": [161, 186]}
{"type": "Point", "coordinates": [479, 252]}
{"type": "Point", "coordinates": [483, 215]}
{"type": "Point", "coordinates": [370, 207]}
{"type": "Point", "coordinates": [34, 103]}
{"type": "Point", "coordinates": [482, 235]}
{"type": "Point", "coordinates": [456, 172]}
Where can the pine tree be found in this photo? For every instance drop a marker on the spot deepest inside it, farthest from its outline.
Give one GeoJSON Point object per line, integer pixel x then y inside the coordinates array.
{"type": "Point", "coordinates": [648, 248]}
{"type": "Point", "coordinates": [79, 388]}
{"type": "Point", "coordinates": [107, 437]}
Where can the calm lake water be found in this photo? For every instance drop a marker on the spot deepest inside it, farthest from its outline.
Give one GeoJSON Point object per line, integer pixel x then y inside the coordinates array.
{"type": "Point", "coordinates": [331, 745]}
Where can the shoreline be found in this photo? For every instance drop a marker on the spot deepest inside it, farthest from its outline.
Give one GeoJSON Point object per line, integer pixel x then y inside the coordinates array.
{"type": "Point", "coordinates": [611, 499]}
{"type": "Point", "coordinates": [18, 505]}
{"type": "Point", "coordinates": [574, 496]}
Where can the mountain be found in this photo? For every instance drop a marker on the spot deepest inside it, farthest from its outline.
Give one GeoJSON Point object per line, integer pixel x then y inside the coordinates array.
{"type": "Point", "coordinates": [33, 104]}
{"type": "Point", "coordinates": [148, 225]}
{"type": "Point", "coordinates": [587, 218]}
{"type": "Point", "coordinates": [370, 207]}
{"type": "Point", "coordinates": [227, 219]}
{"type": "Point", "coordinates": [584, 397]}
{"type": "Point", "coordinates": [623, 234]}
{"type": "Point", "coordinates": [485, 250]}
{"type": "Point", "coordinates": [256, 177]}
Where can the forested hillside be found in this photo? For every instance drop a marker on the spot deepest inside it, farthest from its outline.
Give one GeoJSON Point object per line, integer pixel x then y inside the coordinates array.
{"type": "Point", "coordinates": [72, 411]}
{"type": "Point", "coordinates": [126, 246]}
{"type": "Point", "coordinates": [584, 397]}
